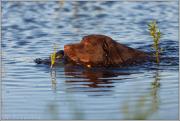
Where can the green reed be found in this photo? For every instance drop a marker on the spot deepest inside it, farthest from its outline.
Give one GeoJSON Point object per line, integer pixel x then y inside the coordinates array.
{"type": "Point", "coordinates": [53, 55]}
{"type": "Point", "coordinates": [156, 35]}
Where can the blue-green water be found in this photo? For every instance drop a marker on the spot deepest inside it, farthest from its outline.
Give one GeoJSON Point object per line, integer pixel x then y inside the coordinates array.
{"type": "Point", "coordinates": [29, 30]}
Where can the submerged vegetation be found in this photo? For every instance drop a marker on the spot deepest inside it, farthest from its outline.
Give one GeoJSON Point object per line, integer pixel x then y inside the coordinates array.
{"type": "Point", "coordinates": [156, 35]}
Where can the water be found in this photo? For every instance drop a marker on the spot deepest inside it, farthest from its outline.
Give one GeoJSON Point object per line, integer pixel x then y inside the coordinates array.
{"type": "Point", "coordinates": [29, 30]}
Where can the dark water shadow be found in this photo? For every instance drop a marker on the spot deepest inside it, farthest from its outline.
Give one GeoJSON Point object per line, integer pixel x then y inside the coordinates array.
{"type": "Point", "coordinates": [95, 76]}
{"type": "Point", "coordinates": [91, 81]}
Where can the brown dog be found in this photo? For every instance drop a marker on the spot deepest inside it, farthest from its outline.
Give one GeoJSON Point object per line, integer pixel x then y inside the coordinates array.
{"type": "Point", "coordinates": [101, 50]}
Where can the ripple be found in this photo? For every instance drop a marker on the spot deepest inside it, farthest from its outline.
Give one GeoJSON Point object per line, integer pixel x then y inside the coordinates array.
{"type": "Point", "coordinates": [29, 30]}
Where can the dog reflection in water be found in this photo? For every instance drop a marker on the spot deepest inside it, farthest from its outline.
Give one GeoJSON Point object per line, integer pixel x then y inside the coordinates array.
{"type": "Point", "coordinates": [91, 80]}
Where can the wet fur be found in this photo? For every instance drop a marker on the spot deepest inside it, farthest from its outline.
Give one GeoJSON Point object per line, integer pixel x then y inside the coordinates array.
{"type": "Point", "coordinates": [101, 50]}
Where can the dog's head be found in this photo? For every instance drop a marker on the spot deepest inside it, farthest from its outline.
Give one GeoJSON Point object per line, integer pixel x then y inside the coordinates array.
{"type": "Point", "coordinates": [92, 50]}
{"type": "Point", "coordinates": [100, 50]}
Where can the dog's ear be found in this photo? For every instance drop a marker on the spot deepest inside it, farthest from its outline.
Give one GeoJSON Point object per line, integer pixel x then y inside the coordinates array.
{"type": "Point", "coordinates": [106, 53]}
{"type": "Point", "coordinates": [112, 55]}
{"type": "Point", "coordinates": [110, 51]}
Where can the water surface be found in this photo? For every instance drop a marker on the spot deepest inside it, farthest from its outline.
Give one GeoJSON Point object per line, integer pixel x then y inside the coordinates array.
{"type": "Point", "coordinates": [29, 30]}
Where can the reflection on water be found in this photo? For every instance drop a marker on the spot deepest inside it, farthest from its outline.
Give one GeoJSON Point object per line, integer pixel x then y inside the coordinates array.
{"type": "Point", "coordinates": [30, 91]}
{"type": "Point", "coordinates": [53, 110]}
{"type": "Point", "coordinates": [145, 107]}
{"type": "Point", "coordinates": [95, 77]}
{"type": "Point", "coordinates": [53, 78]}
{"type": "Point", "coordinates": [53, 106]}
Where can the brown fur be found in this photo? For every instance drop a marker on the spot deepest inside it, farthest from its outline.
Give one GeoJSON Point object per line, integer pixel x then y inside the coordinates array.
{"type": "Point", "coordinates": [101, 50]}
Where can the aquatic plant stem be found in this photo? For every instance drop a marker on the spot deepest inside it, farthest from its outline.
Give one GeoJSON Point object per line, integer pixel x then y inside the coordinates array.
{"type": "Point", "coordinates": [53, 56]}
{"type": "Point", "coordinates": [156, 35]}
